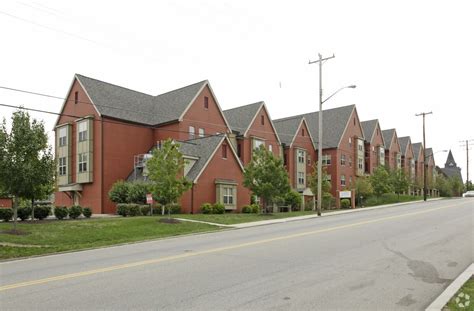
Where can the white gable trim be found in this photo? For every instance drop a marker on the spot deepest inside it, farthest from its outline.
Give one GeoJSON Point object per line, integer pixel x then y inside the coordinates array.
{"type": "Point", "coordinates": [354, 110]}
{"type": "Point", "coordinates": [269, 118]}
{"type": "Point", "coordinates": [180, 119]}
{"type": "Point", "coordinates": [303, 121]}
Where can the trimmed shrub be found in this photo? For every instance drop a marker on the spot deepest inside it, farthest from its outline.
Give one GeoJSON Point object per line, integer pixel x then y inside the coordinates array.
{"type": "Point", "coordinates": [42, 211]}
{"type": "Point", "coordinates": [206, 208]}
{"type": "Point", "coordinates": [87, 212]}
{"type": "Point", "coordinates": [134, 210]}
{"type": "Point", "coordinates": [24, 212]}
{"type": "Point", "coordinates": [136, 192]}
{"type": "Point", "coordinates": [123, 209]}
{"type": "Point", "coordinates": [61, 212]}
{"type": "Point", "coordinates": [246, 209]}
{"type": "Point", "coordinates": [6, 214]}
{"type": "Point", "coordinates": [345, 203]}
{"type": "Point", "coordinates": [145, 210]}
{"type": "Point", "coordinates": [119, 192]}
{"type": "Point", "coordinates": [218, 208]}
{"type": "Point", "coordinates": [75, 211]}
{"type": "Point", "coordinates": [293, 199]}
{"type": "Point", "coordinates": [175, 208]}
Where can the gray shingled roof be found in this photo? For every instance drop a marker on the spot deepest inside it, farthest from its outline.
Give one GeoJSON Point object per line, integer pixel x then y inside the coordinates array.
{"type": "Point", "coordinates": [125, 104]}
{"type": "Point", "coordinates": [404, 142]}
{"type": "Point", "coordinates": [239, 118]}
{"type": "Point", "coordinates": [287, 128]}
{"type": "Point", "coordinates": [201, 148]}
{"type": "Point", "coordinates": [450, 159]}
{"type": "Point", "coordinates": [416, 149]}
{"type": "Point", "coordinates": [369, 128]}
{"type": "Point", "coordinates": [452, 172]}
{"type": "Point", "coordinates": [334, 123]}
{"type": "Point", "coordinates": [429, 154]}
{"type": "Point", "coordinates": [387, 137]}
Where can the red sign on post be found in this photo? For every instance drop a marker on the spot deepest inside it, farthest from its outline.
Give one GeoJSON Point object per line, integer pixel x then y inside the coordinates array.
{"type": "Point", "coordinates": [149, 198]}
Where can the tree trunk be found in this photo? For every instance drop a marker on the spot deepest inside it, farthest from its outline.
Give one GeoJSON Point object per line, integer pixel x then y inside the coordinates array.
{"type": "Point", "coordinates": [32, 209]}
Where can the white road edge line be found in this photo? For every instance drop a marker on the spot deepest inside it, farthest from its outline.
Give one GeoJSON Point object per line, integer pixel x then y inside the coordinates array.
{"type": "Point", "coordinates": [449, 292]}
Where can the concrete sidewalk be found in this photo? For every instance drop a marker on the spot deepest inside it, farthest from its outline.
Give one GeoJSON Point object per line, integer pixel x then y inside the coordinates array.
{"type": "Point", "coordinates": [298, 218]}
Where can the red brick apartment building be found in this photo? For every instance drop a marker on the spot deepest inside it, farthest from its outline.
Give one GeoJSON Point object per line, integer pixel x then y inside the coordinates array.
{"type": "Point", "coordinates": [343, 144]}
{"type": "Point", "coordinates": [408, 157]}
{"type": "Point", "coordinates": [104, 127]}
{"type": "Point", "coordinates": [299, 153]}
{"type": "Point", "coordinates": [393, 157]}
{"type": "Point", "coordinates": [251, 127]}
{"type": "Point", "coordinates": [374, 145]}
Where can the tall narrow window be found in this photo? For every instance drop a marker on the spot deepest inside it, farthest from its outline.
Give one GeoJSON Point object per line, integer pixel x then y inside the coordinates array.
{"type": "Point", "coordinates": [228, 196]}
{"type": "Point", "coordinates": [302, 132]}
{"type": "Point", "coordinates": [224, 151]}
{"type": "Point", "coordinates": [62, 166]}
{"type": "Point", "coordinates": [239, 150]}
{"type": "Point", "coordinates": [300, 178]}
{"type": "Point", "coordinates": [270, 148]}
{"type": "Point", "coordinates": [300, 156]}
{"type": "Point", "coordinates": [82, 130]}
{"type": "Point", "coordinates": [350, 142]}
{"type": "Point", "coordinates": [343, 180]}
{"type": "Point", "coordinates": [62, 136]}
{"type": "Point", "coordinates": [206, 102]}
{"type": "Point", "coordinates": [191, 132]}
{"type": "Point", "coordinates": [76, 97]}
{"type": "Point", "coordinates": [343, 159]}
{"type": "Point", "coordinates": [201, 132]}
{"type": "Point", "coordinates": [82, 160]}
{"type": "Point", "coordinates": [262, 120]}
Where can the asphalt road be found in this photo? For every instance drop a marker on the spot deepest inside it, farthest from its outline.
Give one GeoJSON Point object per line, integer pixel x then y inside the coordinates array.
{"type": "Point", "coordinates": [386, 259]}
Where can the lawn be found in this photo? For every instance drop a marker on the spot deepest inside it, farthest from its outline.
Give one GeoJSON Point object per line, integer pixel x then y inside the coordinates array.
{"type": "Point", "coordinates": [467, 289]}
{"type": "Point", "coordinates": [390, 198]}
{"type": "Point", "coordinates": [54, 236]}
{"type": "Point", "coordinates": [230, 219]}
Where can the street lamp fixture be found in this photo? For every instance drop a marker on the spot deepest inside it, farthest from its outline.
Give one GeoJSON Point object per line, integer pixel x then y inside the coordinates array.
{"type": "Point", "coordinates": [344, 87]}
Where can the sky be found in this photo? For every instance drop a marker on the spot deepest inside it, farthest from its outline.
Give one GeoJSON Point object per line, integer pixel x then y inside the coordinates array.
{"type": "Point", "coordinates": [405, 57]}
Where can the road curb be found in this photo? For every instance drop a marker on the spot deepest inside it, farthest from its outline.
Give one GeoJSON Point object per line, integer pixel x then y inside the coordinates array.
{"type": "Point", "coordinates": [451, 290]}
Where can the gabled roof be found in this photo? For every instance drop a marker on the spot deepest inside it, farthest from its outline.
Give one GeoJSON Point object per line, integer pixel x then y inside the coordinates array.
{"type": "Point", "coordinates": [125, 104]}
{"type": "Point", "coordinates": [404, 143]}
{"type": "Point", "coordinates": [451, 172]}
{"type": "Point", "coordinates": [429, 154]}
{"type": "Point", "coordinates": [241, 118]}
{"type": "Point", "coordinates": [334, 124]}
{"type": "Point", "coordinates": [287, 129]}
{"type": "Point", "coordinates": [388, 137]}
{"type": "Point", "coordinates": [369, 128]}
{"type": "Point", "coordinates": [417, 150]}
{"type": "Point", "coordinates": [450, 160]}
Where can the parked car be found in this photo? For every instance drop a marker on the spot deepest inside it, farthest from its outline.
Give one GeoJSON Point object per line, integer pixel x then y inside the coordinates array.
{"type": "Point", "coordinates": [469, 194]}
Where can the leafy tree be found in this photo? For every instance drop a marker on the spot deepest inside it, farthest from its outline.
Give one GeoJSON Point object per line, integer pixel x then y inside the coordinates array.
{"type": "Point", "coordinates": [399, 181]}
{"type": "Point", "coordinates": [380, 181]}
{"type": "Point", "coordinates": [325, 185]}
{"type": "Point", "coordinates": [362, 187]}
{"type": "Point", "coordinates": [456, 186]}
{"type": "Point", "coordinates": [442, 184]}
{"type": "Point", "coordinates": [293, 199]}
{"type": "Point", "coordinates": [137, 192]}
{"type": "Point", "coordinates": [165, 174]}
{"type": "Point", "coordinates": [27, 164]}
{"type": "Point", "coordinates": [266, 177]}
{"type": "Point", "coordinates": [469, 186]}
{"type": "Point", "coordinates": [119, 192]}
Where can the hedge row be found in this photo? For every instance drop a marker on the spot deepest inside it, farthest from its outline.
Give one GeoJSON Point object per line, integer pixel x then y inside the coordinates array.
{"type": "Point", "coordinates": [131, 209]}
{"type": "Point", "coordinates": [251, 209]}
{"type": "Point", "coordinates": [43, 211]}
{"type": "Point", "coordinates": [216, 208]}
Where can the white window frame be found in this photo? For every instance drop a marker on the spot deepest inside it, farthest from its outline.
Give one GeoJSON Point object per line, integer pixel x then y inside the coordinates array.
{"type": "Point", "coordinates": [82, 129]}
{"type": "Point", "coordinates": [82, 160]}
{"type": "Point", "coordinates": [343, 180]}
{"type": "Point", "coordinates": [228, 195]}
{"type": "Point", "coordinates": [201, 132]}
{"type": "Point", "coordinates": [300, 156]}
{"type": "Point", "coordinates": [62, 166]}
{"type": "Point", "coordinates": [343, 159]}
{"type": "Point", "coordinates": [192, 132]}
{"type": "Point", "coordinates": [258, 143]}
{"type": "Point", "coordinates": [301, 178]}
{"type": "Point", "coordinates": [326, 159]}
{"type": "Point", "coordinates": [270, 148]}
{"type": "Point", "coordinates": [62, 133]}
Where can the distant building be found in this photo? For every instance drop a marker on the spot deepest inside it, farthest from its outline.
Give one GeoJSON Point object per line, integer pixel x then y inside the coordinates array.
{"type": "Point", "coordinates": [451, 170]}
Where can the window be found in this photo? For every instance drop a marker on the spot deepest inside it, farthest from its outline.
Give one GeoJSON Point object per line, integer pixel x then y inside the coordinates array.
{"type": "Point", "coordinates": [62, 136]}
{"type": "Point", "coordinates": [62, 166]}
{"type": "Point", "coordinates": [224, 151]}
{"type": "Point", "coordinates": [360, 163]}
{"type": "Point", "coordinates": [302, 132]}
{"type": "Point", "coordinates": [350, 142]}
{"type": "Point", "coordinates": [343, 159]}
{"type": "Point", "coordinates": [262, 120]}
{"type": "Point", "coordinates": [328, 178]}
{"type": "Point", "coordinates": [82, 130]}
{"type": "Point", "coordinates": [76, 97]}
{"type": "Point", "coordinates": [191, 132]}
{"type": "Point", "coordinates": [350, 180]}
{"type": "Point", "coordinates": [300, 178]}
{"type": "Point", "coordinates": [82, 160]}
{"type": "Point", "coordinates": [350, 161]}
{"type": "Point", "coordinates": [381, 156]}
{"type": "Point", "coordinates": [270, 148]}
{"type": "Point", "coordinates": [309, 159]}
{"type": "Point", "coordinates": [360, 145]}
{"type": "Point", "coordinates": [206, 102]}
{"type": "Point", "coordinates": [228, 196]}
{"type": "Point", "coordinates": [300, 156]}
{"type": "Point", "coordinates": [399, 160]}
{"type": "Point", "coordinates": [326, 159]}
{"type": "Point", "coordinates": [258, 143]}
{"type": "Point", "coordinates": [239, 150]}
{"type": "Point", "coordinates": [343, 180]}
{"type": "Point", "coordinates": [201, 132]}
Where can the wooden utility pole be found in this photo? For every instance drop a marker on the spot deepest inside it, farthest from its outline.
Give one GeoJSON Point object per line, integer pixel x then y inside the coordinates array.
{"type": "Point", "coordinates": [467, 141]}
{"type": "Point", "coordinates": [425, 188]}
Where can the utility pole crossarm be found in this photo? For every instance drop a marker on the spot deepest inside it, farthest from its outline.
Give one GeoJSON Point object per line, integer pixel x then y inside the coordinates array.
{"type": "Point", "coordinates": [321, 59]}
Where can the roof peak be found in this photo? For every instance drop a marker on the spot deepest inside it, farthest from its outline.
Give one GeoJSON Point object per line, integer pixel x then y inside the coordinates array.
{"type": "Point", "coordinates": [78, 75]}
{"type": "Point", "coordinates": [248, 105]}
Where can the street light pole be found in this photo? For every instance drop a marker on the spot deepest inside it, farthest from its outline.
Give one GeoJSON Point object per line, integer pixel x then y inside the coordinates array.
{"type": "Point", "coordinates": [320, 127]}
{"type": "Point", "coordinates": [320, 124]}
{"type": "Point", "coordinates": [425, 187]}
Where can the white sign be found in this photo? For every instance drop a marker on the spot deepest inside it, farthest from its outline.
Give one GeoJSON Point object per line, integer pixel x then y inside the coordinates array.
{"type": "Point", "coordinates": [345, 194]}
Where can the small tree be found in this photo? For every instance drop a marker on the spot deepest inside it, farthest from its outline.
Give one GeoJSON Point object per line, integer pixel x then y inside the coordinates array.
{"type": "Point", "coordinates": [325, 185]}
{"type": "Point", "coordinates": [26, 161]}
{"type": "Point", "coordinates": [165, 174]}
{"type": "Point", "coordinates": [266, 176]}
{"type": "Point", "coordinates": [119, 192]}
{"type": "Point", "coordinates": [293, 199]}
{"type": "Point", "coordinates": [380, 181]}
{"type": "Point", "coordinates": [399, 181]}
{"type": "Point", "coordinates": [363, 187]}
{"type": "Point", "coordinates": [456, 186]}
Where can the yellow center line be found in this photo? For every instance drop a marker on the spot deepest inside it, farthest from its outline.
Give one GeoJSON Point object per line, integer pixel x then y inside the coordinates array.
{"type": "Point", "coordinates": [210, 251]}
